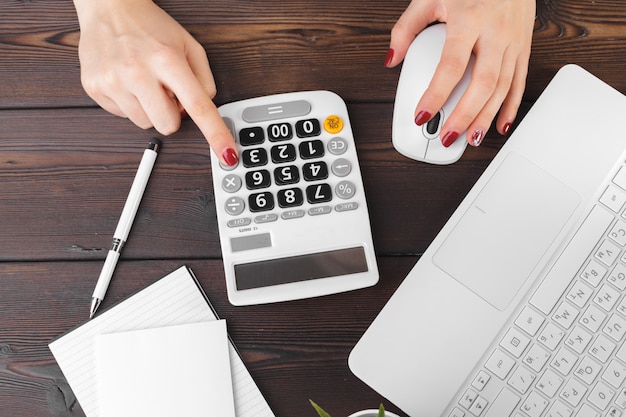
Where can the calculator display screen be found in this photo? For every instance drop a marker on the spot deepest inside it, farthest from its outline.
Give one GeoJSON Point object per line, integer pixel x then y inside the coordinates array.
{"type": "Point", "coordinates": [300, 268]}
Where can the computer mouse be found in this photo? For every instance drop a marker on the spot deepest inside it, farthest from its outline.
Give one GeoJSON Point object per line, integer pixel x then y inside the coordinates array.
{"type": "Point", "coordinates": [423, 143]}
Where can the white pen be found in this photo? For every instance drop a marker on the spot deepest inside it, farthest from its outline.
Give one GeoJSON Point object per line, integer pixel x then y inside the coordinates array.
{"type": "Point", "coordinates": [125, 222]}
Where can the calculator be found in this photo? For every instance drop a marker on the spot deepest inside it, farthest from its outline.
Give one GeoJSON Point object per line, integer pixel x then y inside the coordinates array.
{"type": "Point", "coordinates": [292, 215]}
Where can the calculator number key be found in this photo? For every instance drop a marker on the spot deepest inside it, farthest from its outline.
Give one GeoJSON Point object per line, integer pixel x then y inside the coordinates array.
{"type": "Point", "coordinates": [279, 131]}
{"type": "Point", "coordinates": [258, 179]}
{"type": "Point", "coordinates": [254, 157]}
{"type": "Point", "coordinates": [283, 153]}
{"type": "Point", "coordinates": [308, 128]}
{"type": "Point", "coordinates": [319, 193]}
{"type": "Point", "coordinates": [286, 175]}
{"type": "Point", "coordinates": [291, 197]}
{"type": "Point", "coordinates": [314, 171]}
{"type": "Point", "coordinates": [261, 202]}
{"type": "Point", "coordinates": [311, 149]}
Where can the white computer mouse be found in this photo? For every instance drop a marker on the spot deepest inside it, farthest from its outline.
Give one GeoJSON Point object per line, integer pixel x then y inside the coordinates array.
{"type": "Point", "coordinates": [423, 143]}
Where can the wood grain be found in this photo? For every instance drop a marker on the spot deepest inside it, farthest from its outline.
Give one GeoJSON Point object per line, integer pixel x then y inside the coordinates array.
{"type": "Point", "coordinates": [66, 167]}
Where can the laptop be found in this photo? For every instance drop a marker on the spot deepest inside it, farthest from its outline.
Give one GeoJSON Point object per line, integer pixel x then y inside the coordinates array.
{"type": "Point", "coordinates": [517, 307]}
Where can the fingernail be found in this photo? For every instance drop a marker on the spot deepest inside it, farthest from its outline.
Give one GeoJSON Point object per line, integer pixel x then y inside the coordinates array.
{"type": "Point", "coordinates": [506, 128]}
{"type": "Point", "coordinates": [230, 157]}
{"type": "Point", "coordinates": [389, 57]}
{"type": "Point", "coordinates": [422, 117]}
{"type": "Point", "coordinates": [449, 138]}
{"type": "Point", "coordinates": [477, 137]}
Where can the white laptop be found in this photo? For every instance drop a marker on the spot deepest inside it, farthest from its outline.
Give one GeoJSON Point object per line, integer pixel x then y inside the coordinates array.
{"type": "Point", "coordinates": [517, 308]}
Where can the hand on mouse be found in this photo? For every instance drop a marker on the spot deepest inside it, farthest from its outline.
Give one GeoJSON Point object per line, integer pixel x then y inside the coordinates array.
{"type": "Point", "coordinates": [498, 33]}
{"type": "Point", "coordinates": [138, 62]}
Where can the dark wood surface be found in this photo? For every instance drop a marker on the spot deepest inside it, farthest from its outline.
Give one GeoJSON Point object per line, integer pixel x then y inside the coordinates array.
{"type": "Point", "coordinates": [66, 166]}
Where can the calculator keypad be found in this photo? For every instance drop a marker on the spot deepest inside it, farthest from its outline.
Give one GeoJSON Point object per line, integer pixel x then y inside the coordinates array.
{"type": "Point", "coordinates": [296, 157]}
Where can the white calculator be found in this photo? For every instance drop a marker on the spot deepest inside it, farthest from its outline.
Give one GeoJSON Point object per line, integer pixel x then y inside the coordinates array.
{"type": "Point", "coordinates": [292, 215]}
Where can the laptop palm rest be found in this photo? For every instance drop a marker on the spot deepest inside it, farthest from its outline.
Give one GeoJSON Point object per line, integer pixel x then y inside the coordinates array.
{"type": "Point", "coordinates": [521, 210]}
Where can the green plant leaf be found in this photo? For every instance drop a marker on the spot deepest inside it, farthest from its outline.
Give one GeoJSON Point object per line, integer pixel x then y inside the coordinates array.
{"type": "Point", "coordinates": [319, 409]}
{"type": "Point", "coordinates": [381, 411]}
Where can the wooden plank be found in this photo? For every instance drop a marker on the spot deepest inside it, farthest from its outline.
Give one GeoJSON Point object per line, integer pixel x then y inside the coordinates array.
{"type": "Point", "coordinates": [320, 45]}
{"type": "Point", "coordinates": [65, 175]}
{"type": "Point", "coordinates": [294, 350]}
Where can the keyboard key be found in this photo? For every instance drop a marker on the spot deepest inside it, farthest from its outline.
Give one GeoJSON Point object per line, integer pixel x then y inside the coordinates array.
{"type": "Point", "coordinates": [559, 409]}
{"type": "Point", "coordinates": [551, 336]}
{"type": "Point", "coordinates": [593, 273]}
{"type": "Point", "coordinates": [578, 339]}
{"type": "Point", "coordinates": [615, 327]}
{"type": "Point", "coordinates": [601, 396]}
{"type": "Point", "coordinates": [534, 405]}
{"type": "Point", "coordinates": [468, 399]}
{"type": "Point", "coordinates": [311, 149]}
{"type": "Point", "coordinates": [564, 361]}
{"type": "Point", "coordinates": [504, 404]}
{"type": "Point", "coordinates": [549, 383]}
{"type": "Point", "coordinates": [593, 318]}
{"type": "Point", "coordinates": [588, 370]}
{"type": "Point", "coordinates": [618, 233]}
{"type": "Point", "coordinates": [602, 348]}
{"type": "Point", "coordinates": [607, 297]}
{"type": "Point", "coordinates": [308, 128]}
{"type": "Point", "coordinates": [515, 342]}
{"type": "Point", "coordinates": [481, 380]}
{"type": "Point", "coordinates": [565, 314]}
{"type": "Point", "coordinates": [258, 179]}
{"type": "Point", "coordinates": [522, 379]}
{"type": "Point", "coordinates": [615, 373]}
{"type": "Point", "coordinates": [573, 392]}
{"type": "Point", "coordinates": [580, 293]}
{"type": "Point", "coordinates": [529, 320]}
{"type": "Point", "coordinates": [613, 198]}
{"type": "Point", "coordinates": [456, 413]}
{"type": "Point", "coordinates": [618, 277]}
{"type": "Point", "coordinates": [254, 157]}
{"type": "Point", "coordinates": [478, 407]}
{"type": "Point", "coordinates": [621, 398]}
{"type": "Point", "coordinates": [282, 153]}
{"type": "Point", "coordinates": [607, 253]}
{"type": "Point", "coordinates": [587, 411]}
{"type": "Point", "coordinates": [500, 363]}
{"type": "Point", "coordinates": [620, 178]}
{"type": "Point", "coordinates": [536, 357]}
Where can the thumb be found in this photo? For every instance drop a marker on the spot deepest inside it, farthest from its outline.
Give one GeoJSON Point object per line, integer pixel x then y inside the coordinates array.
{"type": "Point", "coordinates": [417, 16]}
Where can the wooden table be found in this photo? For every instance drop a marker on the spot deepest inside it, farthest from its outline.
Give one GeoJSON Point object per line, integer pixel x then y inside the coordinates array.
{"type": "Point", "coordinates": [66, 166]}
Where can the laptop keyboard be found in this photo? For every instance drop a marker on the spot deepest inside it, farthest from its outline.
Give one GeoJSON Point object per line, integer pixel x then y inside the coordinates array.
{"type": "Point", "coordinates": [564, 353]}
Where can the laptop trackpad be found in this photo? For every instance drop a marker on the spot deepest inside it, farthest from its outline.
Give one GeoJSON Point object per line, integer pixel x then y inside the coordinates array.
{"type": "Point", "coordinates": [504, 233]}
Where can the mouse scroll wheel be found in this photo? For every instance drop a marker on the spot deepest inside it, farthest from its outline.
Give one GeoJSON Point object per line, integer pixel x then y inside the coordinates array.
{"type": "Point", "coordinates": [432, 127]}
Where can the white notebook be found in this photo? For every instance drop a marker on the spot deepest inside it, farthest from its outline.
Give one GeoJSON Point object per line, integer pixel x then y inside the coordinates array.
{"type": "Point", "coordinates": [166, 371]}
{"type": "Point", "coordinates": [175, 299]}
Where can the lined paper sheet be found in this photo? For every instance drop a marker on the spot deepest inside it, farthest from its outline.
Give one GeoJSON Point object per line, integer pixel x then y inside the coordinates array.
{"type": "Point", "coordinates": [174, 299]}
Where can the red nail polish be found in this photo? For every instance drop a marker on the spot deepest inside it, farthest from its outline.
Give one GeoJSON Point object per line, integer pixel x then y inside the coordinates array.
{"type": "Point", "coordinates": [422, 117]}
{"type": "Point", "coordinates": [506, 128]}
{"type": "Point", "coordinates": [230, 157]}
{"type": "Point", "coordinates": [449, 138]}
{"type": "Point", "coordinates": [389, 57]}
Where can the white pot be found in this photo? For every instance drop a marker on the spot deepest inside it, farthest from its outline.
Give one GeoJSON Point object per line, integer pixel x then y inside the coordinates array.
{"type": "Point", "coordinates": [372, 413]}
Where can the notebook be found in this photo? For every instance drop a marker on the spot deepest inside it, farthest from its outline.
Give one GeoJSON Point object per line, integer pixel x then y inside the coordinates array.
{"type": "Point", "coordinates": [175, 299]}
{"type": "Point", "coordinates": [165, 371]}
{"type": "Point", "coordinates": [517, 307]}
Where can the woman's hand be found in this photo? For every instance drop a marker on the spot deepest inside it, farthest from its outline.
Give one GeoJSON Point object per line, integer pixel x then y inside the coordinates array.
{"type": "Point", "coordinates": [138, 62]}
{"type": "Point", "coordinates": [499, 34]}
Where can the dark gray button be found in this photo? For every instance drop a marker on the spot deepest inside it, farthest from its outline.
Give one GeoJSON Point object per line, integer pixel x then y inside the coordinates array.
{"type": "Point", "coordinates": [276, 111]}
